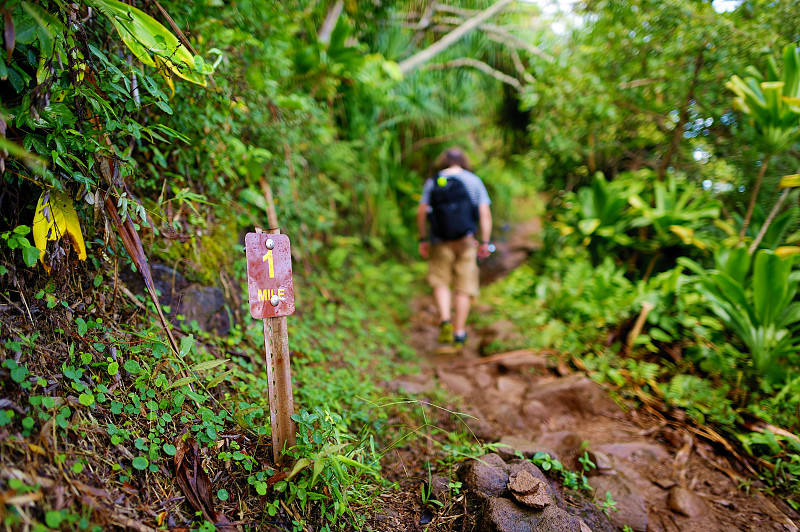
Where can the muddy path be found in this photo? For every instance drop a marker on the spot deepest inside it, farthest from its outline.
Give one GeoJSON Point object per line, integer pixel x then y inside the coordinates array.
{"type": "Point", "coordinates": [661, 475]}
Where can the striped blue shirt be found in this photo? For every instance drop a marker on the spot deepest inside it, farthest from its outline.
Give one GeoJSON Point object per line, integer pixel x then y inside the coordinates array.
{"type": "Point", "coordinates": [473, 184]}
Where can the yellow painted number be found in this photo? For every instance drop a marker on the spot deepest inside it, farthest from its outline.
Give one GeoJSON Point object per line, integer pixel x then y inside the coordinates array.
{"type": "Point", "coordinates": [268, 257]}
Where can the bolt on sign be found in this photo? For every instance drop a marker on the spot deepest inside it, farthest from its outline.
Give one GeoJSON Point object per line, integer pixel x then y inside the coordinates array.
{"type": "Point", "coordinates": [269, 275]}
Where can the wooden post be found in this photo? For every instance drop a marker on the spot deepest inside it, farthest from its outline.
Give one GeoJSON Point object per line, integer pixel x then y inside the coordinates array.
{"type": "Point", "coordinates": [637, 327]}
{"type": "Point", "coordinates": [279, 377]}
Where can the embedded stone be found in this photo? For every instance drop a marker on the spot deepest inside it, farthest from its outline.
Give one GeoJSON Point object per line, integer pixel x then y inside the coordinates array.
{"type": "Point", "coordinates": [686, 502]}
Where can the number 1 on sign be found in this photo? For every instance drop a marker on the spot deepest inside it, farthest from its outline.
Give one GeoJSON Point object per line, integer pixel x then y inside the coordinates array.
{"type": "Point", "coordinates": [268, 257]}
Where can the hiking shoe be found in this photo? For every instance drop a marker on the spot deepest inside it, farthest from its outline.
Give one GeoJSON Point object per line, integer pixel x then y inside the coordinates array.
{"type": "Point", "coordinates": [460, 339]}
{"type": "Point", "coordinates": [446, 332]}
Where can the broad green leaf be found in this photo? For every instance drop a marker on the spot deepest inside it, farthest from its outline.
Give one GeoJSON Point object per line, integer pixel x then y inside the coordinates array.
{"type": "Point", "coordinates": [180, 382]}
{"type": "Point", "coordinates": [210, 364]}
{"type": "Point", "coordinates": [299, 466]}
{"type": "Point", "coordinates": [770, 277]}
{"type": "Point", "coordinates": [140, 463]}
{"type": "Point", "coordinates": [218, 379]}
{"type": "Point", "coordinates": [734, 262]}
{"type": "Point", "coordinates": [132, 366]}
{"type": "Point", "coordinates": [86, 399]}
{"type": "Point", "coordinates": [30, 255]}
{"type": "Point", "coordinates": [145, 36]}
{"type": "Point", "coordinates": [319, 465]}
{"type": "Point", "coordinates": [187, 342]}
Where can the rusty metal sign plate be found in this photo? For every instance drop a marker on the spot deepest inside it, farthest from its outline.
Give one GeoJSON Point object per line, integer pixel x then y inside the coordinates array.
{"type": "Point", "coordinates": [269, 275]}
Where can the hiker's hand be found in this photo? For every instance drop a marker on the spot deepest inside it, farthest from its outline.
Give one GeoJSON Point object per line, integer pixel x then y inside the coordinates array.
{"type": "Point", "coordinates": [424, 248]}
{"type": "Point", "coordinates": [484, 250]}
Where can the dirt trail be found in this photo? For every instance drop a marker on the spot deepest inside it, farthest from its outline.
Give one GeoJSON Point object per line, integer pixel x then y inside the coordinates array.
{"type": "Point", "coordinates": [662, 477]}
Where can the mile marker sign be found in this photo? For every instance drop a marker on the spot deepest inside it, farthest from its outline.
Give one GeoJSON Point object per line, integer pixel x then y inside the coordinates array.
{"type": "Point", "coordinates": [269, 275]}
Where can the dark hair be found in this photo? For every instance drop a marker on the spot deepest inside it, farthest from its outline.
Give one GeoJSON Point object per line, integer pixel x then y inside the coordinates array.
{"type": "Point", "coordinates": [453, 156]}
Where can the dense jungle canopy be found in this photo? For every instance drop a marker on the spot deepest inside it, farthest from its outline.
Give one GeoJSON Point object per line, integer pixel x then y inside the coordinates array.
{"type": "Point", "coordinates": [657, 141]}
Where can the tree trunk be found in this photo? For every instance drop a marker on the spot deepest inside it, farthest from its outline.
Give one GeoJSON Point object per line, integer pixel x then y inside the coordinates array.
{"type": "Point", "coordinates": [683, 117]}
{"type": "Point", "coordinates": [432, 51]}
{"type": "Point", "coordinates": [753, 198]}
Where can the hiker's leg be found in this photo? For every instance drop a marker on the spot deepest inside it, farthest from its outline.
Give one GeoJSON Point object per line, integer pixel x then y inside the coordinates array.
{"type": "Point", "coordinates": [465, 283]}
{"type": "Point", "coordinates": [462, 303]}
{"type": "Point", "coordinates": [440, 275]}
{"type": "Point", "coordinates": [443, 301]}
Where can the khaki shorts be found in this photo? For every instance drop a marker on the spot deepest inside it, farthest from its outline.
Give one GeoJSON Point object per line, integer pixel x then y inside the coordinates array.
{"type": "Point", "coordinates": [455, 264]}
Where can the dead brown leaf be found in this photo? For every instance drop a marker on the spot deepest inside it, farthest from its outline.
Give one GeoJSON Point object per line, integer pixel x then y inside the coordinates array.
{"type": "Point", "coordinates": [196, 486]}
{"type": "Point", "coordinates": [133, 244]}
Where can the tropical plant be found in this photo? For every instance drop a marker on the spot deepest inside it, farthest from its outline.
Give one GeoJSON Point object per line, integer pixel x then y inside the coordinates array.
{"type": "Point", "coordinates": [598, 215]}
{"type": "Point", "coordinates": [676, 215]}
{"type": "Point", "coordinates": [758, 307]}
{"type": "Point", "coordinates": [773, 104]}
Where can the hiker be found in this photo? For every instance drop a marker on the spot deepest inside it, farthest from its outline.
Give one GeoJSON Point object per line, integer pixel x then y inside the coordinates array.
{"type": "Point", "coordinates": [456, 204]}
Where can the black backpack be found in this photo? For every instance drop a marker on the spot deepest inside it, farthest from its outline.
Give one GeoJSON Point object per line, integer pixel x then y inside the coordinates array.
{"type": "Point", "coordinates": [452, 215]}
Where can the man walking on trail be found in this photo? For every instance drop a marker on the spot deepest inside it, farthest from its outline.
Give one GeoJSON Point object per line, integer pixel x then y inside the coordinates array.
{"type": "Point", "coordinates": [456, 204]}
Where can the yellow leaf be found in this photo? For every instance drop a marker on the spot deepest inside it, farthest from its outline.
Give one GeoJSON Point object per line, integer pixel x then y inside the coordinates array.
{"type": "Point", "coordinates": [55, 218]}
{"type": "Point", "coordinates": [785, 251]}
{"type": "Point", "coordinates": [699, 244]}
{"type": "Point", "coordinates": [790, 181]}
{"type": "Point", "coordinates": [166, 73]}
{"type": "Point", "coordinates": [772, 85]}
{"type": "Point", "coordinates": [684, 233]}
{"type": "Point", "coordinates": [725, 226]}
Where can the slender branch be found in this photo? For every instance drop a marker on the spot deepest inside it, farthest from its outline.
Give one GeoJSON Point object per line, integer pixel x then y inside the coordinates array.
{"type": "Point", "coordinates": [418, 59]}
{"type": "Point", "coordinates": [521, 68]}
{"type": "Point", "coordinates": [455, 10]}
{"type": "Point", "coordinates": [753, 197]}
{"type": "Point", "coordinates": [772, 214]}
{"type": "Point", "coordinates": [640, 83]}
{"type": "Point", "coordinates": [497, 34]}
{"type": "Point", "coordinates": [330, 22]}
{"type": "Point", "coordinates": [480, 65]}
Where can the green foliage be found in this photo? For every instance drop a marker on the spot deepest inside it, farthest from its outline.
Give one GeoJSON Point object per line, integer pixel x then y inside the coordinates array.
{"type": "Point", "coordinates": [773, 101]}
{"type": "Point", "coordinates": [17, 239]}
{"type": "Point", "coordinates": [758, 308]}
{"type": "Point", "coordinates": [609, 504]}
{"type": "Point", "coordinates": [637, 212]}
{"type": "Point", "coordinates": [598, 215]}
{"type": "Point", "coordinates": [703, 400]}
{"type": "Point", "coordinates": [679, 211]}
{"type": "Point", "coordinates": [581, 293]}
{"type": "Point", "coordinates": [329, 467]}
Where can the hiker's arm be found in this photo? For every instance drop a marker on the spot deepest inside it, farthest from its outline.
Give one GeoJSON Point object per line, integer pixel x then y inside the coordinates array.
{"type": "Point", "coordinates": [422, 229]}
{"type": "Point", "coordinates": [485, 214]}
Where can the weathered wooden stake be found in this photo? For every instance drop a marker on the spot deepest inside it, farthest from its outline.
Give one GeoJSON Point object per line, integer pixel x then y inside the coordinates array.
{"type": "Point", "coordinates": [279, 377]}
